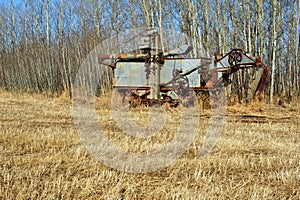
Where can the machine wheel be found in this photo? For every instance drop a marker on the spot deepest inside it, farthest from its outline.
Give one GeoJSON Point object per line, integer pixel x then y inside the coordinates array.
{"type": "Point", "coordinates": [180, 83]}
{"type": "Point", "coordinates": [204, 99]}
{"type": "Point", "coordinates": [235, 57]}
{"type": "Point", "coordinates": [168, 99]}
{"type": "Point", "coordinates": [127, 97]}
{"type": "Point", "coordinates": [134, 100]}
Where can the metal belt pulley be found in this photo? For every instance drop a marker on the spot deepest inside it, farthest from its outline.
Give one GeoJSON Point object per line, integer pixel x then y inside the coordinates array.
{"type": "Point", "coordinates": [235, 57]}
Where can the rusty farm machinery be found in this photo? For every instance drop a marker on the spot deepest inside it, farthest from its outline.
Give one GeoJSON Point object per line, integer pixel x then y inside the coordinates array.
{"type": "Point", "coordinates": [150, 75]}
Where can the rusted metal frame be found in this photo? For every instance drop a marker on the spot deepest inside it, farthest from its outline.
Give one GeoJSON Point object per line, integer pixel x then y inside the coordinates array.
{"type": "Point", "coordinates": [111, 65]}
{"type": "Point", "coordinates": [184, 74]}
{"type": "Point", "coordinates": [123, 56]}
{"type": "Point", "coordinates": [195, 69]}
{"type": "Point", "coordinates": [237, 66]}
{"type": "Point", "coordinates": [182, 58]}
{"type": "Point", "coordinates": [233, 50]}
{"type": "Point", "coordinates": [119, 57]}
{"type": "Point", "coordinates": [230, 70]}
{"type": "Point", "coordinates": [131, 87]}
{"type": "Point", "coordinates": [263, 80]}
{"type": "Point", "coordinates": [217, 60]}
{"type": "Point", "coordinates": [255, 83]}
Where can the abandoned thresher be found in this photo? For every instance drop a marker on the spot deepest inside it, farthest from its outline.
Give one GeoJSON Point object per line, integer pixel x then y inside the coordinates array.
{"type": "Point", "coordinates": [150, 75]}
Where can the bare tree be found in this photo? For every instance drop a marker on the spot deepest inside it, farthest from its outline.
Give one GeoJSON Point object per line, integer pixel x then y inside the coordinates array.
{"type": "Point", "coordinates": [43, 42]}
{"type": "Point", "coordinates": [274, 42]}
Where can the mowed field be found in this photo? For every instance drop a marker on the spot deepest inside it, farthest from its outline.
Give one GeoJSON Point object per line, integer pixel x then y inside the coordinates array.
{"type": "Point", "coordinates": [41, 155]}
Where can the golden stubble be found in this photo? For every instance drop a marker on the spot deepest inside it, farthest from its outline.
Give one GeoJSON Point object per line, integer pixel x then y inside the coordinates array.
{"type": "Point", "coordinates": [256, 157]}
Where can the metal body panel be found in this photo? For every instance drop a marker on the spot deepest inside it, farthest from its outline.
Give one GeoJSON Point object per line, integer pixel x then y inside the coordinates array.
{"type": "Point", "coordinates": [132, 74]}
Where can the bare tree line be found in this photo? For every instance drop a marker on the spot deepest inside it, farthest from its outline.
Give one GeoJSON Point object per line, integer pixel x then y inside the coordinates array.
{"type": "Point", "coordinates": [43, 42]}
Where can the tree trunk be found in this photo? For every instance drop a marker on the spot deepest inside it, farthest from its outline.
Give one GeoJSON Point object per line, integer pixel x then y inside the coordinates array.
{"type": "Point", "coordinates": [273, 52]}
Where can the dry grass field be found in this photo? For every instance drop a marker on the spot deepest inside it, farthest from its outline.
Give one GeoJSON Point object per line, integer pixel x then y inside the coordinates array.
{"type": "Point", "coordinates": [41, 156]}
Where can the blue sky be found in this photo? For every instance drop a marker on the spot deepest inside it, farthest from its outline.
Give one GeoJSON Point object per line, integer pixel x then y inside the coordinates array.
{"type": "Point", "coordinates": [7, 2]}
